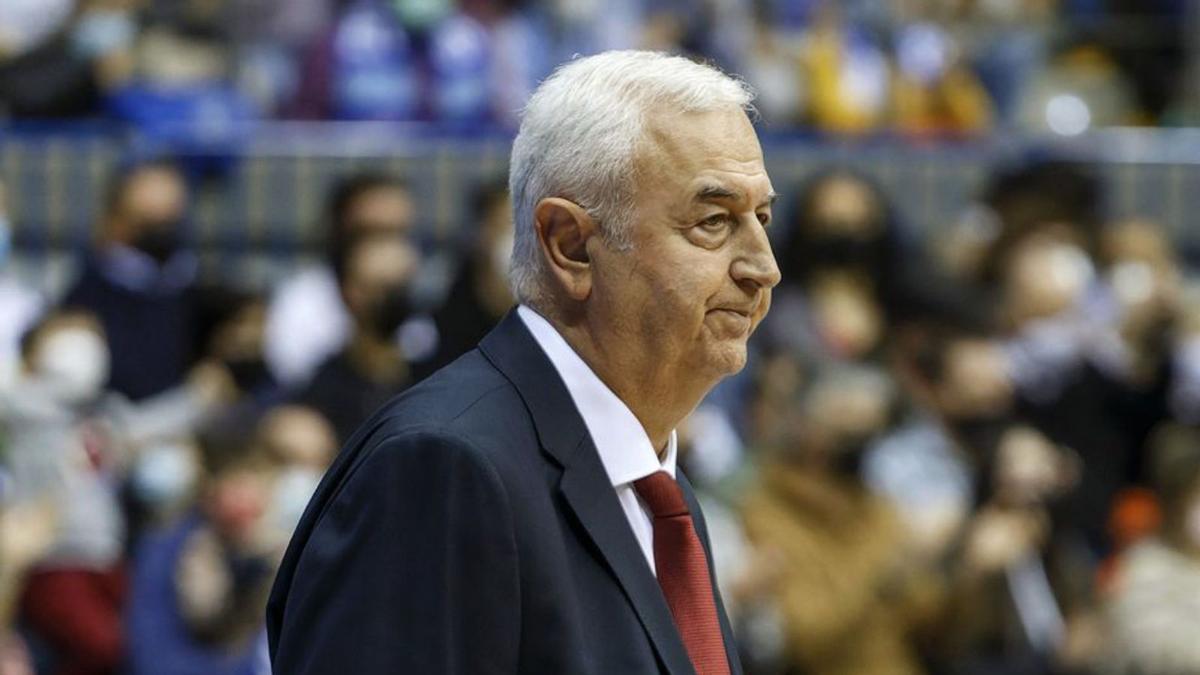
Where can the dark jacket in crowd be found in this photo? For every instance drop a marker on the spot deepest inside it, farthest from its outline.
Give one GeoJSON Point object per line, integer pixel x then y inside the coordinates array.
{"type": "Point", "coordinates": [149, 328]}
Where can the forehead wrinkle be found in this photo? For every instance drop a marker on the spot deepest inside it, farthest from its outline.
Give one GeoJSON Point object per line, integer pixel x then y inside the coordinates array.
{"type": "Point", "coordinates": [715, 192]}
{"type": "Point", "coordinates": [678, 136]}
{"type": "Point", "coordinates": [674, 152]}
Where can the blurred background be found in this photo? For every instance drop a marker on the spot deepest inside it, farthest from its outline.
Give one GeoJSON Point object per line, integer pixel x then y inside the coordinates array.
{"type": "Point", "coordinates": [968, 438]}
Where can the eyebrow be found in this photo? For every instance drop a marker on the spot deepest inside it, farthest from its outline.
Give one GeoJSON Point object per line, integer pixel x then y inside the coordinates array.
{"type": "Point", "coordinates": [718, 192]}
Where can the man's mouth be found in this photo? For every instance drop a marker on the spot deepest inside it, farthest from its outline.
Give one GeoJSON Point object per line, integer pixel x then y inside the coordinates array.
{"type": "Point", "coordinates": [743, 310]}
{"type": "Point", "coordinates": [738, 319]}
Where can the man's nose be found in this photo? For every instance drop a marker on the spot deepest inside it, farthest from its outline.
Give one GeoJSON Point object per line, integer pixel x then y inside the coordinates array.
{"type": "Point", "coordinates": [756, 263]}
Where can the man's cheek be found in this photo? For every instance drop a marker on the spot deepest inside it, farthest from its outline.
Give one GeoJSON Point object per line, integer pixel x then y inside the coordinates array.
{"type": "Point", "coordinates": [764, 306]}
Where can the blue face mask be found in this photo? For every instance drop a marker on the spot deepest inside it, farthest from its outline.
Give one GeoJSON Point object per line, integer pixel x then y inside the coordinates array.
{"type": "Point", "coordinates": [164, 475]}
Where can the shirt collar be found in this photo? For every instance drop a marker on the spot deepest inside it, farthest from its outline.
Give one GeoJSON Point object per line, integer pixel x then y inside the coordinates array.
{"type": "Point", "coordinates": [624, 447]}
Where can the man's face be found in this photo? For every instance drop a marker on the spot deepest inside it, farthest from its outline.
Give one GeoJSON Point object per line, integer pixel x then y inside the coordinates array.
{"type": "Point", "coordinates": [698, 278]}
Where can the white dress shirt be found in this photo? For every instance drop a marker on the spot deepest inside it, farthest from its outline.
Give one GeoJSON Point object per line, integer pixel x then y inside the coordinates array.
{"type": "Point", "coordinates": [625, 449]}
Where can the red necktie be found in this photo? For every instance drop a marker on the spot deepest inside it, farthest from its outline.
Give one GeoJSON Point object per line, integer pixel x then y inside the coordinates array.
{"type": "Point", "coordinates": [683, 573]}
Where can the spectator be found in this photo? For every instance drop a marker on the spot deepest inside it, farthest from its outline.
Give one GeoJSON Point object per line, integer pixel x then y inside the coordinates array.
{"type": "Point", "coordinates": [307, 319]}
{"type": "Point", "coordinates": [374, 278]}
{"type": "Point", "coordinates": [197, 597]}
{"type": "Point", "coordinates": [1077, 379]}
{"type": "Point", "coordinates": [927, 465]}
{"type": "Point", "coordinates": [847, 74]}
{"type": "Point", "coordinates": [273, 35]}
{"type": "Point", "coordinates": [1019, 585]}
{"type": "Point", "coordinates": [233, 335]}
{"type": "Point", "coordinates": [849, 273]}
{"type": "Point", "coordinates": [301, 444]}
{"type": "Point", "coordinates": [41, 75]}
{"type": "Point", "coordinates": [934, 91]}
{"type": "Point", "coordinates": [1151, 609]}
{"type": "Point", "coordinates": [347, 77]}
{"type": "Point", "coordinates": [139, 281]}
{"type": "Point", "coordinates": [105, 32]}
{"type": "Point", "coordinates": [199, 588]}
{"type": "Point", "coordinates": [1059, 197]}
{"type": "Point", "coordinates": [849, 598]}
{"type": "Point", "coordinates": [185, 43]}
{"type": "Point", "coordinates": [479, 295]}
{"type": "Point", "coordinates": [71, 443]}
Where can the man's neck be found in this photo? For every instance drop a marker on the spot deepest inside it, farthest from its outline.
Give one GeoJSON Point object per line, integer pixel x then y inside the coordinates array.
{"type": "Point", "coordinates": [656, 395]}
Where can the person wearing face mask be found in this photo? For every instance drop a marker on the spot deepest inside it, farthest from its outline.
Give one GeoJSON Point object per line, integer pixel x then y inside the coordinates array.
{"type": "Point", "coordinates": [1021, 595]}
{"type": "Point", "coordinates": [1088, 357]}
{"type": "Point", "coordinates": [72, 443]}
{"type": "Point", "coordinates": [55, 449]}
{"type": "Point", "coordinates": [849, 594]}
{"type": "Point", "coordinates": [851, 272]}
{"type": "Point", "coordinates": [1152, 604]}
{"type": "Point", "coordinates": [198, 587]}
{"type": "Point", "coordinates": [957, 382]}
{"type": "Point", "coordinates": [960, 400]}
{"type": "Point", "coordinates": [139, 281]}
{"type": "Point", "coordinates": [232, 334]}
{"type": "Point", "coordinates": [307, 320]}
{"type": "Point", "coordinates": [479, 295]}
{"type": "Point", "coordinates": [374, 279]}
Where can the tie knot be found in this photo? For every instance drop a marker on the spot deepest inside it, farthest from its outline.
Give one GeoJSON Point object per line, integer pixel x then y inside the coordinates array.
{"type": "Point", "coordinates": [662, 495]}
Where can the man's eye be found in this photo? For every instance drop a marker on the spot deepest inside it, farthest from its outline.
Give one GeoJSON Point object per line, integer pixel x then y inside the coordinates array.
{"type": "Point", "coordinates": [764, 219]}
{"type": "Point", "coordinates": [714, 223]}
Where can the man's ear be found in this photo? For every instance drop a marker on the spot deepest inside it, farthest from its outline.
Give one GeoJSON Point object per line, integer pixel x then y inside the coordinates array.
{"type": "Point", "coordinates": [563, 229]}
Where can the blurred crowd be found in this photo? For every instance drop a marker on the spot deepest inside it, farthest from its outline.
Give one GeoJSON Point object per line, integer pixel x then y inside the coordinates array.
{"type": "Point", "coordinates": [975, 454]}
{"type": "Point", "coordinates": [161, 433]}
{"type": "Point", "coordinates": [193, 70]}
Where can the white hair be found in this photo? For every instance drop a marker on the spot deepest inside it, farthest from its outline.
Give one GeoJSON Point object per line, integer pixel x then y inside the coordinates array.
{"type": "Point", "coordinates": [579, 134]}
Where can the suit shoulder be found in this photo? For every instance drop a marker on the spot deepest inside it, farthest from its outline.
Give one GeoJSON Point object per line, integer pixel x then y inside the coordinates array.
{"type": "Point", "coordinates": [469, 399]}
{"type": "Point", "coordinates": [444, 395]}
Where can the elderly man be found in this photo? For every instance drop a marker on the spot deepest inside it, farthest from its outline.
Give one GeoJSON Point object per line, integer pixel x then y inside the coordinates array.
{"type": "Point", "coordinates": [520, 511]}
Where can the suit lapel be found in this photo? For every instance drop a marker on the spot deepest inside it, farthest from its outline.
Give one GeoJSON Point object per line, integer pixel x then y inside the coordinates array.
{"type": "Point", "coordinates": [584, 483]}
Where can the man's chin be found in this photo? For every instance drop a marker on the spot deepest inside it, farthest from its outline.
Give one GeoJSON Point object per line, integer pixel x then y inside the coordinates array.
{"type": "Point", "coordinates": [729, 357]}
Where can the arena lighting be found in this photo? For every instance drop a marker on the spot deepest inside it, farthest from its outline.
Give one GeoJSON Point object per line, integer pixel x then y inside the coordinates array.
{"type": "Point", "coordinates": [1068, 115]}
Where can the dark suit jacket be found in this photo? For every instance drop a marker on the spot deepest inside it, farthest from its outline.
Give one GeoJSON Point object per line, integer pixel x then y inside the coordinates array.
{"type": "Point", "coordinates": [469, 527]}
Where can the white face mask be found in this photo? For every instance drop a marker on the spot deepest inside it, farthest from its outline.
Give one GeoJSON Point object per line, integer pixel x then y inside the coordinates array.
{"type": "Point", "coordinates": [75, 363]}
{"type": "Point", "coordinates": [100, 32]}
{"type": "Point", "coordinates": [293, 489]}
